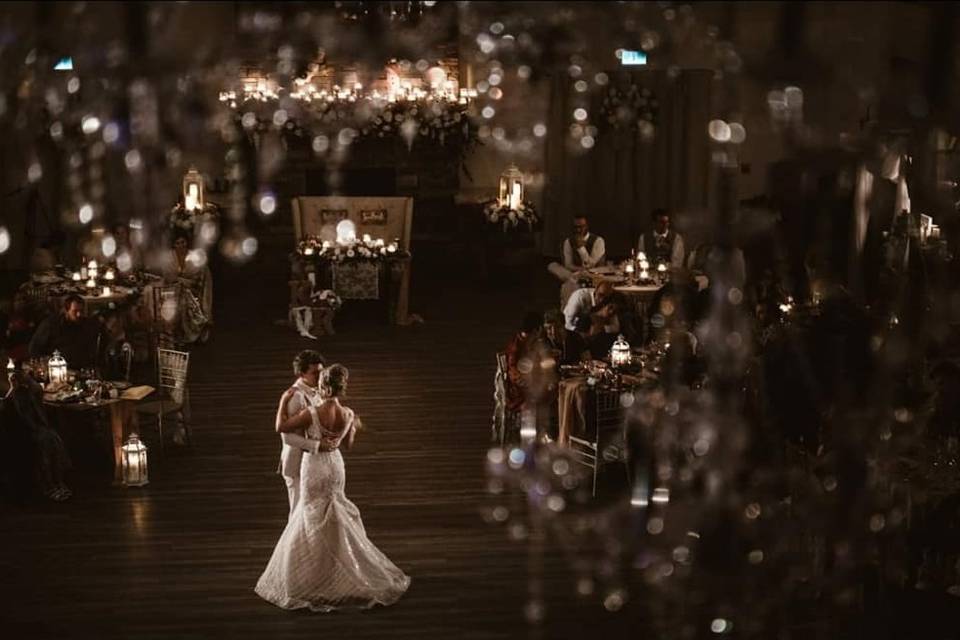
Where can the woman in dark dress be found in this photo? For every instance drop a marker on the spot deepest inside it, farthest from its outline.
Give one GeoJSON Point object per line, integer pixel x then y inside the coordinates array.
{"type": "Point", "coordinates": [22, 415]}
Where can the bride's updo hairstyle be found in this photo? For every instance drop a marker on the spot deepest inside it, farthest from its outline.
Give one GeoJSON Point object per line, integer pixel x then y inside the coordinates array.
{"type": "Point", "coordinates": [334, 380]}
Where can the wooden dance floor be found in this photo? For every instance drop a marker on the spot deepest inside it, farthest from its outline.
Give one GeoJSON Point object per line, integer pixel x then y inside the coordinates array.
{"type": "Point", "coordinates": [179, 558]}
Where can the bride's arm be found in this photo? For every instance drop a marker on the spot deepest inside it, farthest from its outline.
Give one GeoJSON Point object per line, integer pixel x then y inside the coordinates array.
{"type": "Point", "coordinates": [352, 430]}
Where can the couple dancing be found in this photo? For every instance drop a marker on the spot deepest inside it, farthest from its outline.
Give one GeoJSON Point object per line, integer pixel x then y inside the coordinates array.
{"type": "Point", "coordinates": [324, 560]}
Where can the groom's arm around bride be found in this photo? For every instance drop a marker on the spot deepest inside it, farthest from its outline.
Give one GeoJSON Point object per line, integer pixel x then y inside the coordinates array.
{"type": "Point", "coordinates": [292, 431]}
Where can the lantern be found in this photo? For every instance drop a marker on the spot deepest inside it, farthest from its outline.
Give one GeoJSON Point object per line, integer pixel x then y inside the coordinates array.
{"type": "Point", "coordinates": [57, 368]}
{"type": "Point", "coordinates": [109, 275]}
{"type": "Point", "coordinates": [662, 269]}
{"type": "Point", "coordinates": [106, 292]}
{"type": "Point", "coordinates": [76, 276]}
{"type": "Point", "coordinates": [10, 367]}
{"type": "Point", "coordinates": [620, 353]}
{"type": "Point", "coordinates": [193, 191]}
{"type": "Point", "coordinates": [346, 232]}
{"type": "Point", "coordinates": [134, 462]}
{"type": "Point", "coordinates": [511, 188]}
{"type": "Point", "coordinates": [92, 269]}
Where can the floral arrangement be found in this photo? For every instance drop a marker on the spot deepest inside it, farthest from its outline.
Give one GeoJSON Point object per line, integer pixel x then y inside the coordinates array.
{"type": "Point", "coordinates": [326, 298]}
{"type": "Point", "coordinates": [632, 108]}
{"type": "Point", "coordinates": [184, 220]}
{"type": "Point", "coordinates": [498, 214]}
{"type": "Point", "coordinates": [364, 248]}
{"type": "Point", "coordinates": [439, 122]}
{"type": "Point", "coordinates": [442, 123]}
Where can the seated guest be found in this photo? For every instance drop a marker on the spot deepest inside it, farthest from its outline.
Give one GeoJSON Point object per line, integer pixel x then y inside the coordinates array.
{"type": "Point", "coordinates": [196, 312]}
{"type": "Point", "coordinates": [567, 346]}
{"type": "Point", "coordinates": [114, 347]}
{"type": "Point", "coordinates": [582, 250]}
{"type": "Point", "coordinates": [71, 333]}
{"type": "Point", "coordinates": [22, 414]}
{"type": "Point", "coordinates": [121, 233]}
{"type": "Point", "coordinates": [585, 302]}
{"type": "Point", "coordinates": [19, 328]}
{"type": "Point", "coordinates": [519, 348]}
{"type": "Point", "coordinates": [662, 244]}
{"type": "Point", "coordinates": [609, 313]}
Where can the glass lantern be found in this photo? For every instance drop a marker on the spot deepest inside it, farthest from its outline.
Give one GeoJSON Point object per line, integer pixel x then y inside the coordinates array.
{"type": "Point", "coordinates": [620, 355]}
{"type": "Point", "coordinates": [511, 188]}
{"type": "Point", "coordinates": [193, 191]}
{"type": "Point", "coordinates": [134, 462]}
{"type": "Point", "coordinates": [57, 368]}
{"type": "Point", "coordinates": [346, 232]}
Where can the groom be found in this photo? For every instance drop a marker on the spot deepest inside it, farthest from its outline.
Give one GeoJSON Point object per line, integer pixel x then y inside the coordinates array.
{"type": "Point", "coordinates": [304, 393]}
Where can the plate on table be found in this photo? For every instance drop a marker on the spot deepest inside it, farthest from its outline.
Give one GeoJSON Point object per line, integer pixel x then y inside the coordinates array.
{"type": "Point", "coordinates": [604, 271]}
{"type": "Point", "coordinates": [65, 396]}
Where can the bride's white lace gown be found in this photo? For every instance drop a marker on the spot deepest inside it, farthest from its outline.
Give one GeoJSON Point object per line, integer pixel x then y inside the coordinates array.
{"type": "Point", "coordinates": [324, 560]}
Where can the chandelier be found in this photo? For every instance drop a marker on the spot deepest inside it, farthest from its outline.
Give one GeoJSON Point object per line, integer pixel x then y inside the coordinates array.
{"type": "Point", "coordinates": [317, 87]}
{"type": "Point", "coordinates": [392, 11]}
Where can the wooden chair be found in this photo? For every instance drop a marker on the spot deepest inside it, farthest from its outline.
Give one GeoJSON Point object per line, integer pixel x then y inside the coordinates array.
{"type": "Point", "coordinates": [165, 321]}
{"type": "Point", "coordinates": [605, 438]}
{"type": "Point", "coordinates": [504, 419]}
{"type": "Point", "coordinates": [173, 397]}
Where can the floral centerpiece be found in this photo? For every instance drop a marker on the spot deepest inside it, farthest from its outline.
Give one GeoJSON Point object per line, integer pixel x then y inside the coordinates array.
{"type": "Point", "coordinates": [326, 298]}
{"type": "Point", "coordinates": [502, 215]}
{"type": "Point", "coordinates": [634, 108]}
{"type": "Point", "coordinates": [364, 248]}
{"type": "Point", "coordinates": [439, 122]}
{"type": "Point", "coordinates": [185, 219]}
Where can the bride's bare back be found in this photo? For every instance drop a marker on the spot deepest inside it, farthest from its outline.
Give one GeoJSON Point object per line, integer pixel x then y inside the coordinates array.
{"type": "Point", "coordinates": [336, 423]}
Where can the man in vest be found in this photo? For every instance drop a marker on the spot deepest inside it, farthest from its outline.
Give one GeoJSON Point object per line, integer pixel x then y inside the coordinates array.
{"type": "Point", "coordinates": [662, 244]}
{"type": "Point", "coordinates": [583, 250]}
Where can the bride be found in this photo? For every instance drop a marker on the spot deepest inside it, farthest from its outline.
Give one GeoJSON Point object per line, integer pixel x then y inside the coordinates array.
{"type": "Point", "coordinates": [324, 560]}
